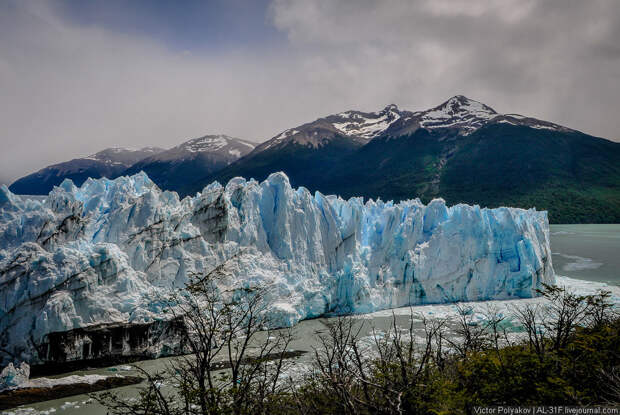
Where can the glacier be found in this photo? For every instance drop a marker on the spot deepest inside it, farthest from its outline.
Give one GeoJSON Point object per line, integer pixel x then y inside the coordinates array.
{"type": "Point", "coordinates": [105, 253]}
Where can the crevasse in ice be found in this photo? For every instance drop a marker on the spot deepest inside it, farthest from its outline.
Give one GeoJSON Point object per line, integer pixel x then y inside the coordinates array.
{"type": "Point", "coordinates": [107, 252]}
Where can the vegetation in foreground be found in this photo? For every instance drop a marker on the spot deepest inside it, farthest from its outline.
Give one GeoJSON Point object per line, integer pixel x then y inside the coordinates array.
{"type": "Point", "coordinates": [568, 352]}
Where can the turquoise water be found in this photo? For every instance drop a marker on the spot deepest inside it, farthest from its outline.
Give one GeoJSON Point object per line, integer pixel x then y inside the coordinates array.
{"type": "Point", "coordinates": [587, 252]}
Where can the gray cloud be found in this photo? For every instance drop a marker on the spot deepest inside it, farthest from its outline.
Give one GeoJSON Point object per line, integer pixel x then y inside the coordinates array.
{"type": "Point", "coordinates": [70, 90]}
{"type": "Point", "coordinates": [552, 59]}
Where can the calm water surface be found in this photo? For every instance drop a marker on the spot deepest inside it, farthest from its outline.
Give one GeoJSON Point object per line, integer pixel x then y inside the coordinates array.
{"type": "Point", "coordinates": [587, 252]}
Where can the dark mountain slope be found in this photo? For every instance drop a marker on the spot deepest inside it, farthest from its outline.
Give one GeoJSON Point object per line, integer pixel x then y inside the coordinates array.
{"type": "Point", "coordinates": [388, 168]}
{"type": "Point", "coordinates": [174, 168]}
{"type": "Point", "coordinates": [305, 152]}
{"type": "Point", "coordinates": [574, 176]}
{"type": "Point", "coordinates": [302, 163]}
{"type": "Point", "coordinates": [461, 150]}
{"type": "Point", "coordinates": [109, 163]}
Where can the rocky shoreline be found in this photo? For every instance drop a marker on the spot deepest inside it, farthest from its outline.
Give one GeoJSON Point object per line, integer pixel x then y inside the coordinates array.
{"type": "Point", "coordinates": [104, 345]}
{"type": "Point", "coordinates": [15, 397]}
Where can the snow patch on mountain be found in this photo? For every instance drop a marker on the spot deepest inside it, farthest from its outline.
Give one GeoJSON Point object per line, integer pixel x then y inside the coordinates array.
{"type": "Point", "coordinates": [212, 143]}
{"type": "Point", "coordinates": [358, 125]}
{"type": "Point", "coordinates": [520, 120]}
{"type": "Point", "coordinates": [225, 147]}
{"type": "Point", "coordinates": [208, 143]}
{"type": "Point", "coordinates": [285, 134]}
{"type": "Point", "coordinates": [123, 156]}
{"type": "Point", "coordinates": [459, 112]}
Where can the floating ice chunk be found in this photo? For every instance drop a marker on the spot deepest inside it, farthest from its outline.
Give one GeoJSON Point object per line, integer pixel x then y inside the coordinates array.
{"type": "Point", "coordinates": [13, 377]}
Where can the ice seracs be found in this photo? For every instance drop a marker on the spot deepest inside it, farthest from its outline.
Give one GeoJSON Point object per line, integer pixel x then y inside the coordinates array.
{"type": "Point", "coordinates": [107, 251]}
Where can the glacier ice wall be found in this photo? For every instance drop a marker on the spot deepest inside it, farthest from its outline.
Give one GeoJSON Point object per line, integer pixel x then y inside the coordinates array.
{"type": "Point", "coordinates": [107, 251]}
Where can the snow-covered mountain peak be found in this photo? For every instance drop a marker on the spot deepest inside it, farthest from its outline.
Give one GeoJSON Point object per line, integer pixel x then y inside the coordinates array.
{"type": "Point", "coordinates": [359, 126]}
{"type": "Point", "coordinates": [366, 125]}
{"type": "Point", "coordinates": [458, 115]}
{"type": "Point", "coordinates": [460, 103]}
{"type": "Point", "coordinates": [215, 146]}
{"type": "Point", "coordinates": [391, 107]}
{"type": "Point", "coordinates": [198, 157]}
{"type": "Point", "coordinates": [459, 112]}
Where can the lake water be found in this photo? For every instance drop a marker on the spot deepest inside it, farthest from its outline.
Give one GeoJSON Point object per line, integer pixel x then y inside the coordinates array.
{"type": "Point", "coordinates": [588, 254]}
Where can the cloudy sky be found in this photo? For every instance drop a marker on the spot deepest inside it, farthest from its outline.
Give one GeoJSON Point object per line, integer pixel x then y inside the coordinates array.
{"type": "Point", "coordinates": [78, 76]}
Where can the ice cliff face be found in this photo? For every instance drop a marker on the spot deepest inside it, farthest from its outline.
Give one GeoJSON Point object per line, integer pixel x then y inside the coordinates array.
{"type": "Point", "coordinates": [106, 252]}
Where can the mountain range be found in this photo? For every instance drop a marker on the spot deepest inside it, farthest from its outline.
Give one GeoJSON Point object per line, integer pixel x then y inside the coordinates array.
{"type": "Point", "coordinates": [462, 150]}
{"type": "Point", "coordinates": [111, 162]}
{"type": "Point", "coordinates": [193, 159]}
{"type": "Point", "coordinates": [169, 169]}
